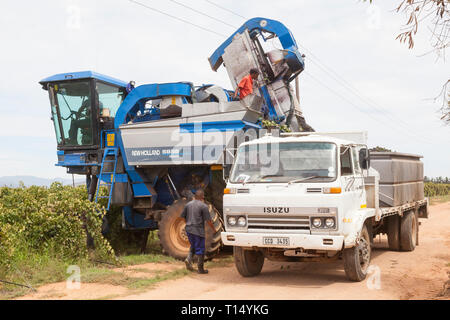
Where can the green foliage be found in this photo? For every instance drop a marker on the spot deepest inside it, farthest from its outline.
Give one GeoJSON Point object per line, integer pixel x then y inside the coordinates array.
{"type": "Point", "coordinates": [432, 189]}
{"type": "Point", "coordinates": [49, 223]}
{"type": "Point", "coordinates": [441, 179]}
{"type": "Point", "coordinates": [379, 149]}
{"type": "Point", "coordinates": [273, 124]}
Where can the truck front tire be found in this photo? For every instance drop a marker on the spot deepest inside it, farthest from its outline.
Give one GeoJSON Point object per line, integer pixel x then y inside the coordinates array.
{"type": "Point", "coordinates": [409, 228]}
{"type": "Point", "coordinates": [357, 259]}
{"type": "Point", "coordinates": [248, 262]}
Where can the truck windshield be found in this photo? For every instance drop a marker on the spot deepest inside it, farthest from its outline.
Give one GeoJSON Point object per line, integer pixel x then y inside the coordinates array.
{"type": "Point", "coordinates": [75, 112]}
{"type": "Point", "coordinates": [284, 162]}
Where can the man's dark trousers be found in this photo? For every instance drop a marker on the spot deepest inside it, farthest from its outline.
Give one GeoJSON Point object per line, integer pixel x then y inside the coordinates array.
{"type": "Point", "coordinates": [197, 243]}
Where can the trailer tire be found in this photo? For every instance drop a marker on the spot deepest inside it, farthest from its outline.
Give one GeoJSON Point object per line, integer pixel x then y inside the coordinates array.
{"type": "Point", "coordinates": [357, 259]}
{"type": "Point", "coordinates": [393, 232]}
{"type": "Point", "coordinates": [249, 263]}
{"type": "Point", "coordinates": [408, 231]}
{"type": "Point", "coordinates": [173, 238]}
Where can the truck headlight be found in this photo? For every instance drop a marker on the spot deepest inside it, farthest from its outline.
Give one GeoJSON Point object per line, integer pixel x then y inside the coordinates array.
{"type": "Point", "coordinates": [329, 222]}
{"type": "Point", "coordinates": [242, 221]}
{"type": "Point", "coordinates": [231, 220]}
{"type": "Point", "coordinates": [323, 222]}
{"type": "Point", "coordinates": [317, 222]}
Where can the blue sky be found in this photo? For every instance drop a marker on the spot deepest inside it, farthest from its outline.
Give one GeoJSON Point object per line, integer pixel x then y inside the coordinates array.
{"type": "Point", "coordinates": [355, 39]}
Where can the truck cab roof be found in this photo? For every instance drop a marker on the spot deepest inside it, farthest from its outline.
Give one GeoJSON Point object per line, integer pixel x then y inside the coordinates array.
{"type": "Point", "coordinates": [340, 138]}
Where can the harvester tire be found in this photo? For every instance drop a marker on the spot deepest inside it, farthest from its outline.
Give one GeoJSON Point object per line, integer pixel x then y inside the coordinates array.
{"type": "Point", "coordinates": [173, 238]}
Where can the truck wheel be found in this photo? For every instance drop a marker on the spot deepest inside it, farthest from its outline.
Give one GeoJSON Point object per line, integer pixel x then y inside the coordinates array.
{"type": "Point", "coordinates": [357, 259]}
{"type": "Point", "coordinates": [408, 231]}
{"type": "Point", "coordinates": [172, 234]}
{"type": "Point", "coordinates": [248, 262]}
{"type": "Point", "coordinates": [393, 232]}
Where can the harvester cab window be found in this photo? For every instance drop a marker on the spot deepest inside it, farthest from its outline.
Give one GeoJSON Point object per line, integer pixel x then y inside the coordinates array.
{"type": "Point", "coordinates": [110, 98]}
{"type": "Point", "coordinates": [346, 161]}
{"type": "Point", "coordinates": [75, 111]}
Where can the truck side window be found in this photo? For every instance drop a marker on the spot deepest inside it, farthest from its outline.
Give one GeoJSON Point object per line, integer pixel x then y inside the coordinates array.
{"type": "Point", "coordinates": [346, 162]}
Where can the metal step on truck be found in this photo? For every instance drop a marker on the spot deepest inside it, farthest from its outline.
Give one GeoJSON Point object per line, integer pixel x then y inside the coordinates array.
{"type": "Point", "coordinates": [320, 197]}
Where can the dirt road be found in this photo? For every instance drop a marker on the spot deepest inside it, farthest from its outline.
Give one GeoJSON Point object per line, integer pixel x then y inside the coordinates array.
{"type": "Point", "coordinates": [421, 274]}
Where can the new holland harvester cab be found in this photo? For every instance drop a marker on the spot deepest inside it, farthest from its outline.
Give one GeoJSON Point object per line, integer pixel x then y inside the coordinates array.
{"type": "Point", "coordinates": [156, 145]}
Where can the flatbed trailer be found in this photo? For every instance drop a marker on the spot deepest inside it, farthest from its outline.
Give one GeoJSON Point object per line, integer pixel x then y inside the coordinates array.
{"type": "Point", "coordinates": [399, 210]}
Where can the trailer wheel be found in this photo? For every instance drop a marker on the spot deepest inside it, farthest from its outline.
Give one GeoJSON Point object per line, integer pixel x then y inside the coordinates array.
{"type": "Point", "coordinates": [248, 262]}
{"type": "Point", "coordinates": [357, 259]}
{"type": "Point", "coordinates": [408, 231]}
{"type": "Point", "coordinates": [393, 232]}
{"type": "Point", "coordinates": [172, 234]}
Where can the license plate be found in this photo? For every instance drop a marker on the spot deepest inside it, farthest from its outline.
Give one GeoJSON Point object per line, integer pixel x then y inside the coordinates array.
{"type": "Point", "coordinates": [276, 241]}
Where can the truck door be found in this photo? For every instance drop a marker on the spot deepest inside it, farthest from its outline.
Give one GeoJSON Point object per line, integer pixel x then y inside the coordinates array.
{"type": "Point", "coordinates": [349, 180]}
{"type": "Point", "coordinates": [359, 179]}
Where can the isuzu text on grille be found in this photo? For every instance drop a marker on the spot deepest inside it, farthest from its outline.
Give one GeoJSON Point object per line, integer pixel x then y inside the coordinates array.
{"type": "Point", "coordinates": [276, 210]}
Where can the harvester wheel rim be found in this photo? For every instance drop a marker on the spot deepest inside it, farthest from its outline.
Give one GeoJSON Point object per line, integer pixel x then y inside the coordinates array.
{"type": "Point", "coordinates": [178, 234]}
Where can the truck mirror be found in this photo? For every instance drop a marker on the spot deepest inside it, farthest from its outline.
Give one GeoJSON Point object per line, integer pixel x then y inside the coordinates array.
{"type": "Point", "coordinates": [226, 171]}
{"type": "Point", "coordinates": [364, 158]}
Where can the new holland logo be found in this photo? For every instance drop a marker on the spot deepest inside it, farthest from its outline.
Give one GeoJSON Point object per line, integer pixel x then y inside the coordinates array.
{"type": "Point", "coordinates": [276, 210]}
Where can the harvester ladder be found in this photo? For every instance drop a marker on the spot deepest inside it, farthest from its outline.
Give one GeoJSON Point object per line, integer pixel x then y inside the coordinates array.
{"type": "Point", "coordinates": [109, 152]}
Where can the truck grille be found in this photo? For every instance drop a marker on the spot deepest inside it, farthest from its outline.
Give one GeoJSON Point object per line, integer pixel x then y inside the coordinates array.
{"type": "Point", "coordinates": [279, 222]}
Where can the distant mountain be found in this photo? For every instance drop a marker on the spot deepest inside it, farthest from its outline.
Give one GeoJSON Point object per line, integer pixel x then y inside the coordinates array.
{"type": "Point", "coordinates": [14, 181]}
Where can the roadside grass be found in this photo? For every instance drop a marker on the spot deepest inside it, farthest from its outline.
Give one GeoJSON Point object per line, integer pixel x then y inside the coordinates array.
{"type": "Point", "coordinates": [145, 283]}
{"type": "Point", "coordinates": [96, 275]}
{"type": "Point", "coordinates": [223, 261]}
{"type": "Point", "coordinates": [134, 259]}
{"type": "Point", "coordinates": [439, 199]}
{"type": "Point", "coordinates": [33, 270]}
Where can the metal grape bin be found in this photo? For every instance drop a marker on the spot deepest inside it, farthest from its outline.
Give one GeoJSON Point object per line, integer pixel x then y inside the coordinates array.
{"type": "Point", "coordinates": [401, 177]}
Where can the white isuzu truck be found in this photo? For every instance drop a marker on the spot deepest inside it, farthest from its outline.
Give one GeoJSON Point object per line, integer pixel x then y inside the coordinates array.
{"type": "Point", "coordinates": [320, 197]}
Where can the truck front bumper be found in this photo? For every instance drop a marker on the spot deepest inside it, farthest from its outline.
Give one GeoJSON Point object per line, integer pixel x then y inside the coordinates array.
{"type": "Point", "coordinates": [305, 241]}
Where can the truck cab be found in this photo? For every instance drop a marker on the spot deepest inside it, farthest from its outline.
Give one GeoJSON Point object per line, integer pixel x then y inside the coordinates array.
{"type": "Point", "coordinates": [83, 106]}
{"type": "Point", "coordinates": [298, 197]}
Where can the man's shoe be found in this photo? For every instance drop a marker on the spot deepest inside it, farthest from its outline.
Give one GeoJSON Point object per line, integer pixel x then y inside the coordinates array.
{"type": "Point", "coordinates": [188, 262]}
{"type": "Point", "coordinates": [201, 260]}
